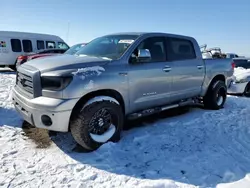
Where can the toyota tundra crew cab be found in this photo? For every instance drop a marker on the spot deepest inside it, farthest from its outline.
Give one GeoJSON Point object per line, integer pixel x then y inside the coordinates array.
{"type": "Point", "coordinates": [117, 77]}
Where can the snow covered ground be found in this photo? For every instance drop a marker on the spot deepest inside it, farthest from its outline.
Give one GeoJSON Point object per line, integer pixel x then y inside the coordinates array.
{"type": "Point", "coordinates": [197, 149]}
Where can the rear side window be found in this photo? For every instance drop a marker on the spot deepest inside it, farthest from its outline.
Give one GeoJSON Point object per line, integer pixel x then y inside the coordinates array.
{"type": "Point", "coordinates": [50, 44]}
{"type": "Point", "coordinates": [180, 49]}
{"type": "Point", "coordinates": [40, 44]}
{"type": "Point", "coordinates": [27, 46]}
{"type": "Point", "coordinates": [16, 45]}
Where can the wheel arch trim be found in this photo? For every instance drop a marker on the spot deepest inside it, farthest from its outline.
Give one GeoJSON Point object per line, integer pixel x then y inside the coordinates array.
{"type": "Point", "coordinates": [100, 98]}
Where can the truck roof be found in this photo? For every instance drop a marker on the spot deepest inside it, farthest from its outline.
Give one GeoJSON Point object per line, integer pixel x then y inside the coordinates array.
{"type": "Point", "coordinates": [150, 33]}
{"type": "Point", "coordinates": [27, 34]}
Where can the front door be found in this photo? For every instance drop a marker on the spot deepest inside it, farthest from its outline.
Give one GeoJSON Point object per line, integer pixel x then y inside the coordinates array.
{"type": "Point", "coordinates": [150, 82]}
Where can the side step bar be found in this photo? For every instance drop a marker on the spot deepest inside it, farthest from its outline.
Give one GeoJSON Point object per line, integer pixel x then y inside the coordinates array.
{"type": "Point", "coordinates": [160, 109]}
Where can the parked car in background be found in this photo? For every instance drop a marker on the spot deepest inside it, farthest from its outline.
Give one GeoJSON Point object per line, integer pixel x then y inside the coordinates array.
{"type": "Point", "coordinates": [118, 76]}
{"type": "Point", "coordinates": [75, 48]}
{"type": "Point", "coordinates": [43, 53]}
{"type": "Point", "coordinates": [216, 53]}
{"type": "Point", "coordinates": [241, 81]}
{"type": "Point", "coordinates": [14, 44]}
{"type": "Point", "coordinates": [233, 55]}
{"type": "Point", "coordinates": [48, 52]}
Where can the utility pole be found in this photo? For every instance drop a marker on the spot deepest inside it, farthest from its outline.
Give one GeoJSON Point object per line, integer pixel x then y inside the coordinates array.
{"type": "Point", "coordinates": [67, 35]}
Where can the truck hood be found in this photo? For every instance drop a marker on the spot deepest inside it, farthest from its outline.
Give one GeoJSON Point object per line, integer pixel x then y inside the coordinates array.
{"type": "Point", "coordinates": [62, 62]}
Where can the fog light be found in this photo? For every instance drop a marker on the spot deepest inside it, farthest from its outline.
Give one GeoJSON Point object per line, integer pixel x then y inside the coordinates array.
{"type": "Point", "coordinates": [46, 120]}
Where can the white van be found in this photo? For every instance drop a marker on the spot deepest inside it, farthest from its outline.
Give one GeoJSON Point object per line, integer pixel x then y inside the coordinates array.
{"type": "Point", "coordinates": [13, 44]}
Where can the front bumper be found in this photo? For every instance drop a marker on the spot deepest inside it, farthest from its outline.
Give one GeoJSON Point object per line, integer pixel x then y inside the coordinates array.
{"type": "Point", "coordinates": [32, 110]}
{"type": "Point", "coordinates": [237, 88]}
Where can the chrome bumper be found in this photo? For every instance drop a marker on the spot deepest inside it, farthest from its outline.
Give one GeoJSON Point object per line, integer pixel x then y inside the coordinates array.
{"type": "Point", "coordinates": [32, 110]}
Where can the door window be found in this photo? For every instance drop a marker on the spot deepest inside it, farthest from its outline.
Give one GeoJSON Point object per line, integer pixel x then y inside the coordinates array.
{"type": "Point", "coordinates": [27, 46]}
{"type": "Point", "coordinates": [40, 44]}
{"type": "Point", "coordinates": [156, 47]}
{"type": "Point", "coordinates": [63, 45]}
{"type": "Point", "coordinates": [180, 49]}
{"type": "Point", "coordinates": [50, 44]}
{"type": "Point", "coordinates": [16, 45]}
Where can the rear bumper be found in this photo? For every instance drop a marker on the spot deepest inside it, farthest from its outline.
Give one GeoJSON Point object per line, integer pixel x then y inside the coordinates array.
{"type": "Point", "coordinates": [32, 110]}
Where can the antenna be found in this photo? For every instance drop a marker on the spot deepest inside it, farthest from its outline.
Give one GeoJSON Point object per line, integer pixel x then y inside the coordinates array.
{"type": "Point", "coordinates": [67, 35]}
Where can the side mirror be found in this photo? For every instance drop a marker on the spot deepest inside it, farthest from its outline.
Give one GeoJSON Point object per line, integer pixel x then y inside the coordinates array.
{"type": "Point", "coordinates": [144, 55]}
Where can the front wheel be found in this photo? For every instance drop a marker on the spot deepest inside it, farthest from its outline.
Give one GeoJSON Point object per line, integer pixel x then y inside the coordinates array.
{"type": "Point", "coordinates": [216, 96]}
{"type": "Point", "coordinates": [96, 124]}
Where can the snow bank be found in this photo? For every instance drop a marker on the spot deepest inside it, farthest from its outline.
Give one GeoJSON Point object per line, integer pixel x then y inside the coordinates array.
{"type": "Point", "coordinates": [243, 183]}
{"type": "Point", "coordinates": [88, 71]}
{"type": "Point", "coordinates": [7, 112]}
{"type": "Point", "coordinates": [241, 73]}
{"type": "Point", "coordinates": [197, 149]}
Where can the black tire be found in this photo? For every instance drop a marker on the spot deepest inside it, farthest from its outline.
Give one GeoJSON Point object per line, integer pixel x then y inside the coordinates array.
{"type": "Point", "coordinates": [184, 109]}
{"type": "Point", "coordinates": [216, 96]}
{"type": "Point", "coordinates": [247, 90]}
{"type": "Point", "coordinates": [84, 116]}
{"type": "Point", "coordinates": [13, 67]}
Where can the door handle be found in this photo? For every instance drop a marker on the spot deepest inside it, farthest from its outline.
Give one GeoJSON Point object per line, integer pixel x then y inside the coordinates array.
{"type": "Point", "coordinates": [167, 69]}
{"type": "Point", "coordinates": [200, 66]}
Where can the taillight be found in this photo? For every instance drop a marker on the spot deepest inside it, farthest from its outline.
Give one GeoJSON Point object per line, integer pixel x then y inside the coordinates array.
{"type": "Point", "coordinates": [233, 65]}
{"type": "Point", "coordinates": [21, 57]}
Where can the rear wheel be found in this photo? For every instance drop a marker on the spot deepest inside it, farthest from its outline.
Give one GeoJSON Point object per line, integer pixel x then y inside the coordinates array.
{"type": "Point", "coordinates": [247, 90]}
{"type": "Point", "coordinates": [216, 96]}
{"type": "Point", "coordinates": [96, 124]}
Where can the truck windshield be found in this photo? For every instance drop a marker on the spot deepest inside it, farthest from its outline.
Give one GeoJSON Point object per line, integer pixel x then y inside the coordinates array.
{"type": "Point", "coordinates": [112, 46]}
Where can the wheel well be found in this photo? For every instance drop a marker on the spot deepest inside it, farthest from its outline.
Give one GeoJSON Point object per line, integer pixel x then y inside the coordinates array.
{"type": "Point", "coordinates": [107, 92]}
{"type": "Point", "coordinates": [218, 77]}
{"type": "Point", "coordinates": [215, 79]}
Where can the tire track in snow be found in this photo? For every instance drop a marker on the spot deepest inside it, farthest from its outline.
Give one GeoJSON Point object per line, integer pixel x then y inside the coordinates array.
{"type": "Point", "coordinates": [231, 131]}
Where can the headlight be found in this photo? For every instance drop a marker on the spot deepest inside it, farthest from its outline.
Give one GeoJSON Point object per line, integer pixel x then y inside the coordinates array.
{"type": "Point", "coordinates": [55, 83]}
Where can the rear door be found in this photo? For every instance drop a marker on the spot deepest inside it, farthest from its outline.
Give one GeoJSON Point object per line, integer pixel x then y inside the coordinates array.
{"type": "Point", "coordinates": [150, 82]}
{"type": "Point", "coordinates": [188, 71]}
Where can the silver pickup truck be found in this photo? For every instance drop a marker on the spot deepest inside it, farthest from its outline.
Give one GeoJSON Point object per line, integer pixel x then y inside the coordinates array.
{"type": "Point", "coordinates": [118, 76]}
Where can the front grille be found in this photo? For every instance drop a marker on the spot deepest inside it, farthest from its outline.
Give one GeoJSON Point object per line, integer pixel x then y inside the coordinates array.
{"type": "Point", "coordinates": [28, 81]}
{"type": "Point", "coordinates": [25, 82]}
